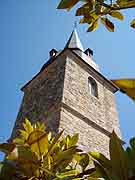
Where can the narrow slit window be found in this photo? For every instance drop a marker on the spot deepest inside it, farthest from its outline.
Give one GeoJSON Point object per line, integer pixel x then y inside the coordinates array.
{"type": "Point", "coordinates": [92, 87]}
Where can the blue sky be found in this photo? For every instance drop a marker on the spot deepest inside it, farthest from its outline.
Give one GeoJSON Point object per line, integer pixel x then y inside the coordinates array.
{"type": "Point", "coordinates": [30, 29]}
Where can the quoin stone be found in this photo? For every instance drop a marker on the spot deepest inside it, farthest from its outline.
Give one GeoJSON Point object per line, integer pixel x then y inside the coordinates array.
{"type": "Point", "coordinates": [70, 93]}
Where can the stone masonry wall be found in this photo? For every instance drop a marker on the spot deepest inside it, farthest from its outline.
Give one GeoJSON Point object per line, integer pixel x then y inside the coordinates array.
{"type": "Point", "coordinates": [93, 118]}
{"type": "Point", "coordinates": [90, 138]}
{"type": "Point", "coordinates": [101, 110]}
{"type": "Point", "coordinates": [60, 97]}
{"type": "Point", "coordinates": [42, 97]}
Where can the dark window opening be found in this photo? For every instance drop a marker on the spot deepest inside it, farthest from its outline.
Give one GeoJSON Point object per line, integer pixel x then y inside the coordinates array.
{"type": "Point", "coordinates": [92, 87]}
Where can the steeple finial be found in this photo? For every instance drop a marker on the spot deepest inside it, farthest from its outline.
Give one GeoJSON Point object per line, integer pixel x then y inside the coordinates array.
{"type": "Point", "coordinates": [74, 41]}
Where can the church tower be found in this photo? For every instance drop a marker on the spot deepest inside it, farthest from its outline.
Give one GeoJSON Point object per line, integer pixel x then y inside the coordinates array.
{"type": "Point", "coordinates": [70, 93]}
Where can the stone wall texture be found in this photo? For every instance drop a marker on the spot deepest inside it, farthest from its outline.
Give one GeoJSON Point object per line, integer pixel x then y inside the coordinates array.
{"type": "Point", "coordinates": [60, 97]}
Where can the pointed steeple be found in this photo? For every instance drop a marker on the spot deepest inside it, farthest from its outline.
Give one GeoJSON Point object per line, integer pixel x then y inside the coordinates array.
{"type": "Point", "coordinates": [74, 41]}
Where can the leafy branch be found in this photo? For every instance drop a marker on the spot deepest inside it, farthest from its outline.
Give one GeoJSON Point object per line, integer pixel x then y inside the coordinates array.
{"type": "Point", "coordinates": [95, 11]}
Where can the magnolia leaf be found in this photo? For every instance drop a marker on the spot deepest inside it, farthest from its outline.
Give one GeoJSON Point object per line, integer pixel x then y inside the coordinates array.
{"type": "Point", "coordinates": [132, 24]}
{"type": "Point", "coordinates": [67, 141]}
{"type": "Point", "coordinates": [67, 4]}
{"type": "Point", "coordinates": [126, 86]}
{"type": "Point", "coordinates": [65, 156]}
{"type": "Point", "coordinates": [108, 24]}
{"type": "Point", "coordinates": [24, 134]}
{"type": "Point", "coordinates": [85, 9]}
{"type": "Point", "coordinates": [131, 155]}
{"type": "Point", "coordinates": [18, 141]}
{"type": "Point", "coordinates": [84, 161]}
{"type": "Point", "coordinates": [27, 126]}
{"type": "Point", "coordinates": [7, 170]}
{"type": "Point", "coordinates": [13, 155]}
{"type": "Point", "coordinates": [7, 147]}
{"type": "Point", "coordinates": [117, 14]}
{"type": "Point", "coordinates": [47, 171]}
{"type": "Point", "coordinates": [40, 126]}
{"type": "Point", "coordinates": [101, 159]}
{"type": "Point", "coordinates": [87, 20]}
{"type": "Point", "coordinates": [118, 157]}
{"type": "Point", "coordinates": [99, 172]}
{"type": "Point", "coordinates": [93, 26]}
{"type": "Point", "coordinates": [77, 157]}
{"type": "Point", "coordinates": [73, 140]}
{"type": "Point", "coordinates": [25, 158]}
{"type": "Point", "coordinates": [54, 143]}
{"type": "Point", "coordinates": [132, 143]}
{"type": "Point", "coordinates": [38, 141]}
{"type": "Point", "coordinates": [68, 174]}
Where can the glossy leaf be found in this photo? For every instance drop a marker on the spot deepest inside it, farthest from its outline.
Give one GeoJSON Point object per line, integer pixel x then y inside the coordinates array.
{"type": "Point", "coordinates": [65, 155]}
{"type": "Point", "coordinates": [67, 4]}
{"type": "Point", "coordinates": [108, 24]}
{"type": "Point", "coordinates": [117, 14]}
{"type": "Point", "coordinates": [7, 147]}
{"type": "Point", "coordinates": [93, 26]}
{"type": "Point", "coordinates": [99, 172]}
{"type": "Point", "coordinates": [85, 9]}
{"type": "Point", "coordinates": [54, 142]}
{"type": "Point", "coordinates": [7, 171]}
{"type": "Point", "coordinates": [27, 126]}
{"type": "Point", "coordinates": [38, 141]}
{"type": "Point", "coordinates": [132, 24]}
{"type": "Point", "coordinates": [40, 126]}
{"type": "Point", "coordinates": [84, 161]}
{"type": "Point", "coordinates": [118, 157]}
{"type": "Point", "coordinates": [68, 174]}
{"type": "Point", "coordinates": [101, 159]}
{"type": "Point", "coordinates": [85, 20]}
{"type": "Point", "coordinates": [126, 86]}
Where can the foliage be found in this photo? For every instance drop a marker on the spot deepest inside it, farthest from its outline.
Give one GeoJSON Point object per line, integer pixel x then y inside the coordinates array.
{"type": "Point", "coordinates": [95, 11]}
{"type": "Point", "coordinates": [120, 166]}
{"type": "Point", "coordinates": [36, 155]}
{"type": "Point", "coordinates": [126, 86]}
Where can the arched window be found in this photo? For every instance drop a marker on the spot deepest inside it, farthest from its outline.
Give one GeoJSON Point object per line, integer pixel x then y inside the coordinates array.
{"type": "Point", "coordinates": [92, 85]}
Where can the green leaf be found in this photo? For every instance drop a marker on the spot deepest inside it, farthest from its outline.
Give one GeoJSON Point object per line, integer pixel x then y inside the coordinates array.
{"type": "Point", "coordinates": [126, 86]}
{"type": "Point", "coordinates": [54, 142]}
{"type": "Point", "coordinates": [68, 174]}
{"type": "Point", "coordinates": [40, 126]}
{"type": "Point", "coordinates": [87, 20]}
{"type": "Point", "coordinates": [73, 140]}
{"type": "Point", "coordinates": [38, 141]}
{"type": "Point", "coordinates": [101, 159]}
{"type": "Point", "coordinates": [108, 24]}
{"type": "Point", "coordinates": [118, 157]}
{"type": "Point", "coordinates": [7, 147]}
{"type": "Point", "coordinates": [27, 126]}
{"type": "Point", "coordinates": [132, 143]}
{"type": "Point", "coordinates": [99, 172]}
{"type": "Point", "coordinates": [132, 24]}
{"type": "Point", "coordinates": [93, 26]}
{"type": "Point", "coordinates": [117, 14]}
{"type": "Point", "coordinates": [27, 160]}
{"type": "Point", "coordinates": [7, 170]}
{"type": "Point", "coordinates": [85, 9]}
{"type": "Point", "coordinates": [84, 161]}
{"type": "Point", "coordinates": [65, 156]}
{"type": "Point", "coordinates": [24, 135]}
{"type": "Point", "coordinates": [67, 4]}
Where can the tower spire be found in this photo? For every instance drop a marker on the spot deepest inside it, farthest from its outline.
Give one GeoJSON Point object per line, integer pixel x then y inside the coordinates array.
{"type": "Point", "coordinates": [74, 41]}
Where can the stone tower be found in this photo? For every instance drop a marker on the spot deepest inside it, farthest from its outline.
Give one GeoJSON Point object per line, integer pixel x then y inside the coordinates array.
{"type": "Point", "coordinates": [70, 93]}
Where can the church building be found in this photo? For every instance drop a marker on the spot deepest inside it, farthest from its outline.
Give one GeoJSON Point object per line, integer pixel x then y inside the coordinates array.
{"type": "Point", "coordinates": [71, 93]}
